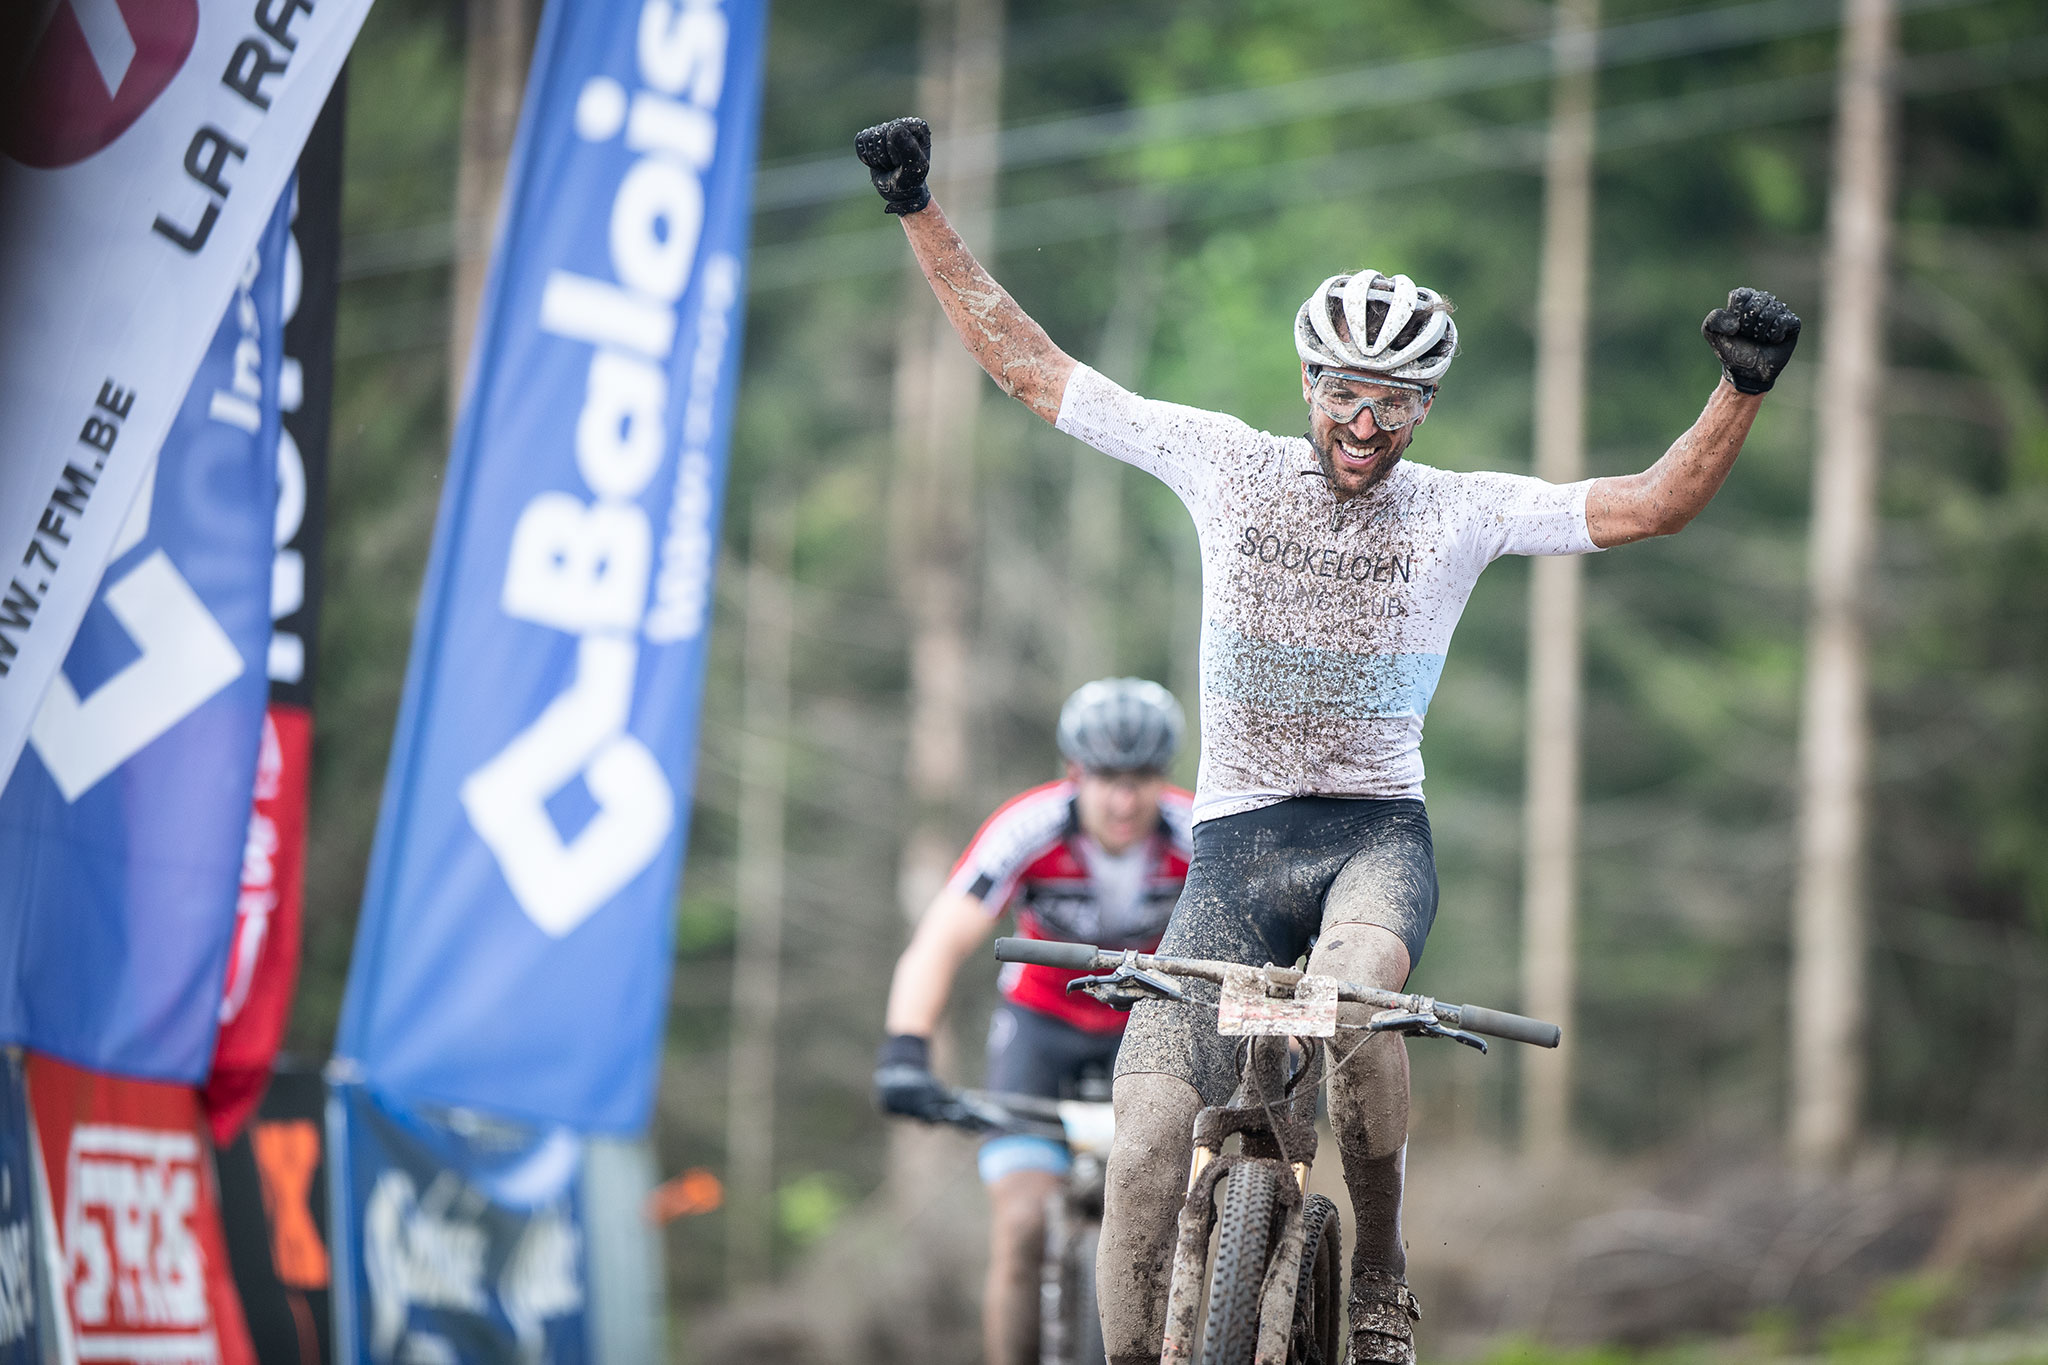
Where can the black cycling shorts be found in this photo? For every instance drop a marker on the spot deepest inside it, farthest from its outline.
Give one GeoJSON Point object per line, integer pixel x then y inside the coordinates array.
{"type": "Point", "coordinates": [1261, 886]}
{"type": "Point", "coordinates": [1035, 1054]}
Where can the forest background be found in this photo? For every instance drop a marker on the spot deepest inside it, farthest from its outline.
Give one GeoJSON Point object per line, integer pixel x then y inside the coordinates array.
{"type": "Point", "coordinates": [1173, 258]}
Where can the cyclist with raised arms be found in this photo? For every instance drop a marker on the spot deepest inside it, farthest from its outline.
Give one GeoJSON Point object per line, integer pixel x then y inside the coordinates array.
{"type": "Point", "coordinates": [1333, 573]}
{"type": "Point", "coordinates": [1098, 857]}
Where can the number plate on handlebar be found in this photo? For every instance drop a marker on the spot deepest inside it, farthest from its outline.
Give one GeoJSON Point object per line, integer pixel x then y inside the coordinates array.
{"type": "Point", "coordinates": [1246, 1009]}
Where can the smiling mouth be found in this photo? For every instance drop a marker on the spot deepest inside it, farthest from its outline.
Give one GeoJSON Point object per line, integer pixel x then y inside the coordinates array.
{"type": "Point", "coordinates": [1356, 457]}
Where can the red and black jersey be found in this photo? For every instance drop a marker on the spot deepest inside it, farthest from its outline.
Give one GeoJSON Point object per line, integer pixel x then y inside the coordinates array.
{"type": "Point", "coordinates": [1032, 858]}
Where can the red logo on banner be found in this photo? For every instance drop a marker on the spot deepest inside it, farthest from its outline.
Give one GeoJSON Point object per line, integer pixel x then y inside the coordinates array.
{"type": "Point", "coordinates": [144, 1261]}
{"type": "Point", "coordinates": [263, 962]}
{"type": "Point", "coordinates": [94, 68]}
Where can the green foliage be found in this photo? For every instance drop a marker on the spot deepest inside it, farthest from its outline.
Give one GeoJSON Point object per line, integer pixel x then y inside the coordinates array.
{"type": "Point", "coordinates": [704, 924]}
{"type": "Point", "coordinates": [1528, 1351]}
{"type": "Point", "coordinates": [809, 1206]}
{"type": "Point", "coordinates": [1893, 1329]}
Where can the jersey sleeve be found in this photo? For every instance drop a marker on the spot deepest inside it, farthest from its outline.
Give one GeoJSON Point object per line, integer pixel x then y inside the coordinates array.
{"type": "Point", "coordinates": [1180, 446]}
{"type": "Point", "coordinates": [1007, 843]}
{"type": "Point", "coordinates": [1513, 514]}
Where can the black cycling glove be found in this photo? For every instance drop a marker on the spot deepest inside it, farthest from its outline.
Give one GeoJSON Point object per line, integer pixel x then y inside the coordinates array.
{"type": "Point", "coordinates": [1754, 336]}
{"type": "Point", "coordinates": [904, 1083]}
{"type": "Point", "coordinates": [898, 155]}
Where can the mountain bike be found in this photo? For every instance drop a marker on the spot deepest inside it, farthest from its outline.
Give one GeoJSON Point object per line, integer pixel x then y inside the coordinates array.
{"type": "Point", "coordinates": [1069, 1327]}
{"type": "Point", "coordinates": [1274, 1292]}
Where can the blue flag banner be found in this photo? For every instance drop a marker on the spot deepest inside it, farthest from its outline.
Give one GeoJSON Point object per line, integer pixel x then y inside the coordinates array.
{"type": "Point", "coordinates": [461, 1237]}
{"type": "Point", "coordinates": [24, 1290]}
{"type": "Point", "coordinates": [513, 952]}
{"type": "Point", "coordinates": [123, 824]}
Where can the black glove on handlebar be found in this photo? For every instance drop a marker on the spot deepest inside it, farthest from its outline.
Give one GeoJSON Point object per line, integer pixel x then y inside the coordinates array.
{"type": "Point", "coordinates": [1754, 336]}
{"type": "Point", "coordinates": [898, 155]}
{"type": "Point", "coordinates": [904, 1083]}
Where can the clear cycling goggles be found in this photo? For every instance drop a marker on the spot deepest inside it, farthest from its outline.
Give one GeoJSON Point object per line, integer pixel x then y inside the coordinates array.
{"type": "Point", "coordinates": [1394, 404]}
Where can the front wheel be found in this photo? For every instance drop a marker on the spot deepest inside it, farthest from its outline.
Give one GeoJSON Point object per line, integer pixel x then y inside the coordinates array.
{"type": "Point", "coordinates": [1318, 1337]}
{"type": "Point", "coordinates": [1244, 1231]}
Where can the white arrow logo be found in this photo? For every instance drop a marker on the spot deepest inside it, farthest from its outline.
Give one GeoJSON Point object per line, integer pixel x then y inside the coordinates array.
{"type": "Point", "coordinates": [106, 37]}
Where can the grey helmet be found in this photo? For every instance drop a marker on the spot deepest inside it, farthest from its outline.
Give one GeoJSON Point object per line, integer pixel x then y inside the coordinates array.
{"type": "Point", "coordinates": [1121, 725]}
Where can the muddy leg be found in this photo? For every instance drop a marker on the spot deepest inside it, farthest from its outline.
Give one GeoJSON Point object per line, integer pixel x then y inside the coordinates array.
{"type": "Point", "coordinates": [1148, 1174]}
{"type": "Point", "coordinates": [1369, 1093]}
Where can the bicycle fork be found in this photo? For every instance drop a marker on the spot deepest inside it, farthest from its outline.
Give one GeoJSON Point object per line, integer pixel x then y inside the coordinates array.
{"type": "Point", "coordinates": [1285, 1129]}
{"type": "Point", "coordinates": [1191, 1250]}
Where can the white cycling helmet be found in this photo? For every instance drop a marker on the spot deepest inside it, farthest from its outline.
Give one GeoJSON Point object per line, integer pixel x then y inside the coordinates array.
{"type": "Point", "coordinates": [1121, 725]}
{"type": "Point", "coordinates": [1397, 328]}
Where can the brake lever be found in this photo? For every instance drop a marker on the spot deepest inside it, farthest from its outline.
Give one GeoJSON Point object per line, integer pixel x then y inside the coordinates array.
{"type": "Point", "coordinates": [1127, 985]}
{"type": "Point", "coordinates": [1395, 1021]}
{"type": "Point", "coordinates": [1457, 1035]}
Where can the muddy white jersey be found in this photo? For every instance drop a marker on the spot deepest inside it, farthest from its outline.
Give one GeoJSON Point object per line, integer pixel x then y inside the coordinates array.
{"type": "Point", "coordinates": [1324, 623]}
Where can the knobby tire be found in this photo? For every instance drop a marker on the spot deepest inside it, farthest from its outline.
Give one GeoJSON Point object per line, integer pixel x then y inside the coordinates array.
{"type": "Point", "coordinates": [1230, 1328]}
{"type": "Point", "coordinates": [1318, 1337]}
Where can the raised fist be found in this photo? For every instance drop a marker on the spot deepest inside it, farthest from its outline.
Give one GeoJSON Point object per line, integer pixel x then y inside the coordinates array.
{"type": "Point", "coordinates": [1754, 336]}
{"type": "Point", "coordinates": [898, 155]}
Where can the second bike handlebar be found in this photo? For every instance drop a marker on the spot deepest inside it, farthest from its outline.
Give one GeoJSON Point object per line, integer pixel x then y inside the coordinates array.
{"type": "Point", "coordinates": [993, 1111]}
{"type": "Point", "coordinates": [1086, 957]}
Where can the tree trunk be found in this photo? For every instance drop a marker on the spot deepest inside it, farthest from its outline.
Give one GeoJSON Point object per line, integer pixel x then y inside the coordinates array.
{"type": "Point", "coordinates": [1828, 911]}
{"type": "Point", "coordinates": [1095, 487]}
{"type": "Point", "coordinates": [757, 964]}
{"type": "Point", "coordinates": [938, 393]}
{"type": "Point", "coordinates": [1551, 799]}
{"type": "Point", "coordinates": [500, 37]}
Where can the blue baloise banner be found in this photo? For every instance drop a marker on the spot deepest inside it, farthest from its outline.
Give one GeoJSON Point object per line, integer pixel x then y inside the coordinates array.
{"type": "Point", "coordinates": [461, 1237]}
{"type": "Point", "coordinates": [123, 824]}
{"type": "Point", "coordinates": [513, 948]}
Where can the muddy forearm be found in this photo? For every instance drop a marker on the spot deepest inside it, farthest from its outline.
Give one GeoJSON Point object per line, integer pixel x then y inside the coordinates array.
{"type": "Point", "coordinates": [1000, 336]}
{"type": "Point", "coordinates": [1662, 499]}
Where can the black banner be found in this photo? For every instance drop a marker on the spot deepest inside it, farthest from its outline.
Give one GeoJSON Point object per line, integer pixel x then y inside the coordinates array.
{"type": "Point", "coordinates": [273, 1177]}
{"type": "Point", "coordinates": [263, 965]}
{"type": "Point", "coordinates": [309, 356]}
{"type": "Point", "coordinates": [273, 1194]}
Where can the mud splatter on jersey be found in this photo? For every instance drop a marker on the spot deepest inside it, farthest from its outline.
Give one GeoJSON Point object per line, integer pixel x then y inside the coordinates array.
{"type": "Point", "coordinates": [1324, 623]}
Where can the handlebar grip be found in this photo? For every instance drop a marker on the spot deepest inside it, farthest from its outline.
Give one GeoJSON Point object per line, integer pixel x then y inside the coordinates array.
{"type": "Point", "coordinates": [1040, 952]}
{"type": "Point", "coordinates": [1514, 1027]}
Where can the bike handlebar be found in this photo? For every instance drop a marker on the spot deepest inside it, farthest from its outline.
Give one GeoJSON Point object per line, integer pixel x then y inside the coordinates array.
{"type": "Point", "coordinates": [1044, 952]}
{"type": "Point", "coordinates": [1086, 957]}
{"type": "Point", "coordinates": [1516, 1028]}
{"type": "Point", "coordinates": [993, 1111]}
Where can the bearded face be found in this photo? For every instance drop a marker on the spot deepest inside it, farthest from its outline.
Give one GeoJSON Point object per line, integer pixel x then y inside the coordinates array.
{"type": "Point", "coordinates": [1356, 455]}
